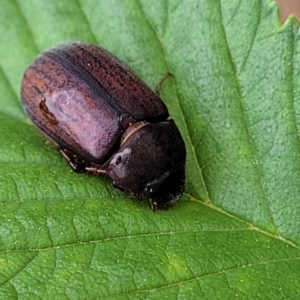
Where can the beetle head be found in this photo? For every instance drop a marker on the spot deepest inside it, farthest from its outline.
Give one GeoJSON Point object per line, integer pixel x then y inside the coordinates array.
{"type": "Point", "coordinates": [150, 163]}
{"type": "Point", "coordinates": [167, 188]}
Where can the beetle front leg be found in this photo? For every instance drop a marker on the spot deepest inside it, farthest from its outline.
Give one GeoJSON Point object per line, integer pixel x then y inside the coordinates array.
{"type": "Point", "coordinates": [80, 165]}
{"type": "Point", "coordinates": [96, 170]}
{"type": "Point", "coordinates": [77, 164]}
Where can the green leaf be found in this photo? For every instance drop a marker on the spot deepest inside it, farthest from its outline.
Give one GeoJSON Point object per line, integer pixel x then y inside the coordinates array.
{"type": "Point", "coordinates": [235, 95]}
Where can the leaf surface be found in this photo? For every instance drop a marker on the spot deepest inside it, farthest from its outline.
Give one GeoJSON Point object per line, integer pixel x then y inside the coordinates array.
{"type": "Point", "coordinates": [234, 93]}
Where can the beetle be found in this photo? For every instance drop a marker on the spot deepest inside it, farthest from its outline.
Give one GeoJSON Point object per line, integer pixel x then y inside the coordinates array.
{"type": "Point", "coordinates": [105, 120]}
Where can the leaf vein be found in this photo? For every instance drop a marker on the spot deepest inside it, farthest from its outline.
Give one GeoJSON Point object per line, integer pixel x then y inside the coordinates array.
{"type": "Point", "coordinates": [180, 108]}
{"type": "Point", "coordinates": [258, 171]}
{"type": "Point", "coordinates": [20, 269]}
{"type": "Point", "coordinates": [86, 20]}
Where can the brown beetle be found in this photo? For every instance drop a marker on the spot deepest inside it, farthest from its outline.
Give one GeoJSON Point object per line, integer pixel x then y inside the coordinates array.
{"type": "Point", "coordinates": [106, 120]}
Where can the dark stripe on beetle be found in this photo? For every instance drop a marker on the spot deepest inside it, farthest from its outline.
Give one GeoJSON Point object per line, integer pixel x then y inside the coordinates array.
{"type": "Point", "coordinates": [70, 64]}
{"type": "Point", "coordinates": [65, 64]}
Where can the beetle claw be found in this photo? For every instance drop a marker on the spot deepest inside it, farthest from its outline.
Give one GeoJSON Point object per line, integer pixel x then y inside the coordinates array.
{"type": "Point", "coordinates": [153, 205]}
{"type": "Point", "coordinates": [76, 163]}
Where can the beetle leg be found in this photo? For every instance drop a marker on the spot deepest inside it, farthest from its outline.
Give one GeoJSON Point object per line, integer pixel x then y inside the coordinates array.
{"type": "Point", "coordinates": [77, 164]}
{"type": "Point", "coordinates": [153, 205]}
{"type": "Point", "coordinates": [139, 196]}
{"type": "Point", "coordinates": [95, 170]}
{"type": "Point", "coordinates": [158, 87]}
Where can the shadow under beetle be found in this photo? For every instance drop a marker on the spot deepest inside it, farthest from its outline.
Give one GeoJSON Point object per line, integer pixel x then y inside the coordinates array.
{"type": "Point", "coordinates": [105, 120]}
